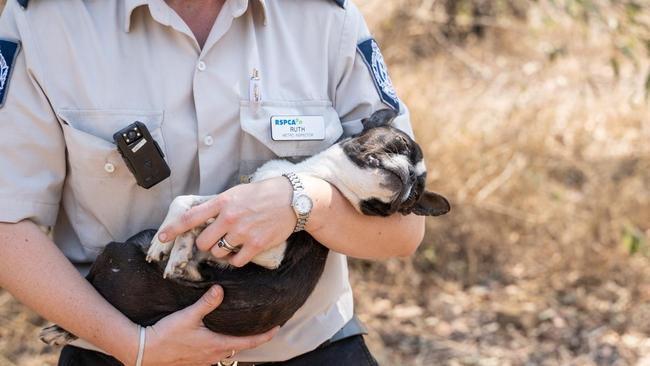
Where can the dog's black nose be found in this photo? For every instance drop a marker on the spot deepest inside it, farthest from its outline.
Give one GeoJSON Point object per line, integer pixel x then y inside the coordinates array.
{"type": "Point", "coordinates": [412, 176]}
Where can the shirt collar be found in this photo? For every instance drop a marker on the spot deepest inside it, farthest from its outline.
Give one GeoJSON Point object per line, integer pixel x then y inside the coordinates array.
{"type": "Point", "coordinates": [237, 7]}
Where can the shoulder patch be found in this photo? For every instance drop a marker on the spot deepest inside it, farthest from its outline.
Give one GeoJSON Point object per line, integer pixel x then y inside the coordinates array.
{"type": "Point", "coordinates": [23, 3]}
{"type": "Point", "coordinates": [340, 3]}
{"type": "Point", "coordinates": [8, 52]}
{"type": "Point", "coordinates": [373, 58]}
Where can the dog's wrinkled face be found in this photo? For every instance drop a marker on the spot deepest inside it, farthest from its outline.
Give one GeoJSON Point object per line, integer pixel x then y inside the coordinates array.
{"type": "Point", "coordinates": [394, 155]}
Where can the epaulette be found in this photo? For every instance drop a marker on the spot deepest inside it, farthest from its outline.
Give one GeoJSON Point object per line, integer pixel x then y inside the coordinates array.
{"type": "Point", "coordinates": [340, 3]}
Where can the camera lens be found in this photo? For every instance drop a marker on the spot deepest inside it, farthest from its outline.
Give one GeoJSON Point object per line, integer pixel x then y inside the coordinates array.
{"type": "Point", "coordinates": [132, 135]}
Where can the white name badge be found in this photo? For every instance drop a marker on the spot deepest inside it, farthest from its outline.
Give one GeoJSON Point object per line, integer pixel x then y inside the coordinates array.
{"type": "Point", "coordinates": [297, 128]}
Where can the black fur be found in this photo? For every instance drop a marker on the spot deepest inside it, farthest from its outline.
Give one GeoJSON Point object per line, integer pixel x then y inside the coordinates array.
{"type": "Point", "coordinates": [373, 148]}
{"type": "Point", "coordinates": [375, 207]}
{"type": "Point", "coordinates": [256, 299]}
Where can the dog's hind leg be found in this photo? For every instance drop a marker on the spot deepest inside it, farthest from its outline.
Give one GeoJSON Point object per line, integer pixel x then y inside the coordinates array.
{"type": "Point", "coordinates": [56, 336]}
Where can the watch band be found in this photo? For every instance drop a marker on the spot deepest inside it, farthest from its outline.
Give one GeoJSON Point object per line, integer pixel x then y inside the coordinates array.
{"type": "Point", "coordinates": [296, 183]}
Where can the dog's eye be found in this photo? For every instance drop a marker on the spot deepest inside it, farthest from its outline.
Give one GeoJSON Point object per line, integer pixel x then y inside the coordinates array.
{"type": "Point", "coordinates": [372, 160]}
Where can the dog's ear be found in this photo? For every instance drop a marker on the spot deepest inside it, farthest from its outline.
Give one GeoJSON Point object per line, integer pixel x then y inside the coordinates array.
{"type": "Point", "coordinates": [431, 204]}
{"type": "Point", "coordinates": [382, 117]}
{"type": "Point", "coordinates": [143, 239]}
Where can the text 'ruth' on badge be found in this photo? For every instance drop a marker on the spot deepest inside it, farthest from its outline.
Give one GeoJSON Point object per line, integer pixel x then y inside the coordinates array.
{"type": "Point", "coordinates": [297, 128]}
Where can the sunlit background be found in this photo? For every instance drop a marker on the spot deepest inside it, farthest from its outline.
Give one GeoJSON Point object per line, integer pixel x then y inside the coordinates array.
{"type": "Point", "coordinates": [534, 119]}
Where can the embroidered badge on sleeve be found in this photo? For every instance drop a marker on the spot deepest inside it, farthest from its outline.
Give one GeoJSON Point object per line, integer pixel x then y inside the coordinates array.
{"type": "Point", "coordinates": [8, 52]}
{"type": "Point", "coordinates": [373, 58]}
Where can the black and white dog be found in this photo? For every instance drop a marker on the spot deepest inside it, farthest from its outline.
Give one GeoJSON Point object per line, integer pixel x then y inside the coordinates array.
{"type": "Point", "coordinates": [380, 171]}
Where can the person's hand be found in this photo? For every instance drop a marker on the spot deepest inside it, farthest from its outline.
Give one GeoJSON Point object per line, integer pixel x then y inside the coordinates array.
{"type": "Point", "coordinates": [181, 338]}
{"type": "Point", "coordinates": [255, 216]}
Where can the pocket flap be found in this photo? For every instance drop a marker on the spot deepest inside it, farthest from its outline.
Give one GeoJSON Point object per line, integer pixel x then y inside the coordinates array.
{"type": "Point", "coordinates": [256, 121]}
{"type": "Point", "coordinates": [89, 138]}
{"type": "Point", "coordinates": [104, 123]}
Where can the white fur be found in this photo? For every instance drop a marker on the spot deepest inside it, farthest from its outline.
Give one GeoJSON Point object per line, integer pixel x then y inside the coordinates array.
{"type": "Point", "coordinates": [271, 258]}
{"type": "Point", "coordinates": [335, 167]}
{"type": "Point", "coordinates": [159, 250]}
{"type": "Point", "coordinates": [332, 165]}
{"type": "Point", "coordinates": [57, 336]}
{"type": "Point", "coordinates": [181, 256]}
{"type": "Point", "coordinates": [183, 259]}
{"type": "Point", "coordinates": [420, 168]}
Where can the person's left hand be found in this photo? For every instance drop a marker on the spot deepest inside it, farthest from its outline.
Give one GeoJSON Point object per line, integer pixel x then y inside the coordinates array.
{"type": "Point", "coordinates": [255, 216]}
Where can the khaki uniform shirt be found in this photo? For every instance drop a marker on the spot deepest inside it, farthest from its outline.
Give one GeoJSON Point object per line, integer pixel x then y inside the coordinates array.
{"type": "Point", "coordinates": [89, 68]}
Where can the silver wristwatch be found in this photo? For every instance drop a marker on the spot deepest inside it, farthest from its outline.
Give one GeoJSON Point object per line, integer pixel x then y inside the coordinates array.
{"type": "Point", "coordinates": [301, 202]}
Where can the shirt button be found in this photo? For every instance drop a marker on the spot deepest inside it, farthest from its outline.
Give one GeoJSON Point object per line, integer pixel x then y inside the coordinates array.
{"type": "Point", "coordinates": [201, 66]}
{"type": "Point", "coordinates": [109, 168]}
{"type": "Point", "coordinates": [208, 140]}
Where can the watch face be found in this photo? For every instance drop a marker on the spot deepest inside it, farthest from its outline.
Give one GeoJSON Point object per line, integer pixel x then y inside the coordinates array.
{"type": "Point", "coordinates": [303, 204]}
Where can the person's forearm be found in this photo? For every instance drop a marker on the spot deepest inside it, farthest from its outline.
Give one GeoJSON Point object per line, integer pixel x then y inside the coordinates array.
{"type": "Point", "coordinates": [35, 271]}
{"type": "Point", "coordinates": [335, 223]}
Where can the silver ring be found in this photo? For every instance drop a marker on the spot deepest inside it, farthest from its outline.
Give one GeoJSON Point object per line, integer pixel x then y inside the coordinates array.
{"type": "Point", "coordinates": [223, 244]}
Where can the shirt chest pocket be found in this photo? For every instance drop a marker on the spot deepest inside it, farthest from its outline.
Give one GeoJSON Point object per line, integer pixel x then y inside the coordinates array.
{"type": "Point", "coordinates": [258, 143]}
{"type": "Point", "coordinates": [101, 197]}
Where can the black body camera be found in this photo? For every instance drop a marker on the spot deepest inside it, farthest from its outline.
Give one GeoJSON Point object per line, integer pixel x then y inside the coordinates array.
{"type": "Point", "coordinates": [142, 154]}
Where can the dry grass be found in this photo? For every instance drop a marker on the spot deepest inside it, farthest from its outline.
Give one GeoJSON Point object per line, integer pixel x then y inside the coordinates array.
{"type": "Point", "coordinates": [541, 144]}
{"type": "Point", "coordinates": [543, 149]}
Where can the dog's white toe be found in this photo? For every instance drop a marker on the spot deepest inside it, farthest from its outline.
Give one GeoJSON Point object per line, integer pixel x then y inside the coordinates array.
{"type": "Point", "coordinates": [158, 251]}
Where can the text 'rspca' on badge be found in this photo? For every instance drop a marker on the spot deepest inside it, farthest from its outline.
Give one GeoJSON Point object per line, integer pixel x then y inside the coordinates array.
{"type": "Point", "coordinates": [372, 57]}
{"type": "Point", "coordinates": [8, 52]}
{"type": "Point", "coordinates": [297, 128]}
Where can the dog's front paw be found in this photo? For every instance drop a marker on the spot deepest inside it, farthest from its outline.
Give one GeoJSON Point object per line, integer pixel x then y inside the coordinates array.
{"type": "Point", "coordinates": [181, 264]}
{"type": "Point", "coordinates": [158, 251]}
{"type": "Point", "coordinates": [56, 336]}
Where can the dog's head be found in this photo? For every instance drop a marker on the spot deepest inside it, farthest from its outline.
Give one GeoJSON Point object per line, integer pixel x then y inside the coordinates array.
{"type": "Point", "coordinates": [393, 155]}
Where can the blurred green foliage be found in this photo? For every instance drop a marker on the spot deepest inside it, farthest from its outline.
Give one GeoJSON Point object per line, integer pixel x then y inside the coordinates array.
{"type": "Point", "coordinates": [635, 241]}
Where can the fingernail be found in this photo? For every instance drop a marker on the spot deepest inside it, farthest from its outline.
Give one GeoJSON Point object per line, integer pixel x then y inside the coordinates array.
{"type": "Point", "coordinates": [162, 237]}
{"type": "Point", "coordinates": [214, 292]}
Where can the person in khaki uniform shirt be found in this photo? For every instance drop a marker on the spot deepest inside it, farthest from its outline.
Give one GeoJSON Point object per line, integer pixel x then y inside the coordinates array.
{"type": "Point", "coordinates": [204, 77]}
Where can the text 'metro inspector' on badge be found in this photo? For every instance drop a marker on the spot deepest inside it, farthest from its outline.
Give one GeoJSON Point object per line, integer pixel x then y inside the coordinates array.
{"type": "Point", "coordinates": [297, 128]}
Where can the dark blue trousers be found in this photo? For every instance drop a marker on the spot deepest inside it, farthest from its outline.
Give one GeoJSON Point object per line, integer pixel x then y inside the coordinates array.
{"type": "Point", "coordinates": [350, 351]}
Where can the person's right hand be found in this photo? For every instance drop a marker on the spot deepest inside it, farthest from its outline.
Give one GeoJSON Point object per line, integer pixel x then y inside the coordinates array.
{"type": "Point", "coordinates": [181, 338]}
